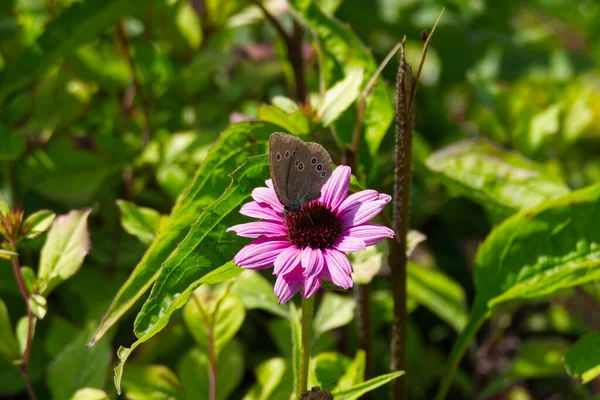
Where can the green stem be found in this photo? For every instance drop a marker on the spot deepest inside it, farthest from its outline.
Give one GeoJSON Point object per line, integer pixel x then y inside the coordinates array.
{"type": "Point", "coordinates": [479, 315]}
{"type": "Point", "coordinates": [307, 321]}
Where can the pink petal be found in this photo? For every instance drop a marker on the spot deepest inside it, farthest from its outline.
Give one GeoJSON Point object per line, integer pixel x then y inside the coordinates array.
{"type": "Point", "coordinates": [269, 183]}
{"type": "Point", "coordinates": [336, 188]}
{"type": "Point", "coordinates": [349, 244]}
{"type": "Point", "coordinates": [312, 285]}
{"type": "Point", "coordinates": [260, 253]}
{"type": "Point", "coordinates": [384, 197]}
{"type": "Point", "coordinates": [286, 286]}
{"type": "Point", "coordinates": [360, 213]}
{"type": "Point", "coordinates": [267, 196]}
{"type": "Point", "coordinates": [260, 211]}
{"type": "Point", "coordinates": [312, 261]}
{"type": "Point", "coordinates": [357, 198]}
{"type": "Point", "coordinates": [370, 233]}
{"type": "Point", "coordinates": [338, 268]}
{"type": "Point", "coordinates": [259, 228]}
{"type": "Point", "coordinates": [287, 261]}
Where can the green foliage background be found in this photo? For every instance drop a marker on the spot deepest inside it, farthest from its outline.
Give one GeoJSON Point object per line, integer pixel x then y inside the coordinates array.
{"type": "Point", "coordinates": [155, 115]}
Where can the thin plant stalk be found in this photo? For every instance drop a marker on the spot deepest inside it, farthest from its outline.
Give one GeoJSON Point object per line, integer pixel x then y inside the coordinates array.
{"type": "Point", "coordinates": [406, 88]}
{"type": "Point", "coordinates": [212, 354]}
{"type": "Point", "coordinates": [308, 305]}
{"type": "Point", "coordinates": [24, 366]}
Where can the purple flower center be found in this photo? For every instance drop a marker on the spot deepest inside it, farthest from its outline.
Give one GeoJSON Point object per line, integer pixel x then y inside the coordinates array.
{"type": "Point", "coordinates": [315, 226]}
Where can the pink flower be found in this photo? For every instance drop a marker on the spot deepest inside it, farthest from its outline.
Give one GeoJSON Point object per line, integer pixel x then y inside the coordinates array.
{"type": "Point", "coordinates": [306, 246]}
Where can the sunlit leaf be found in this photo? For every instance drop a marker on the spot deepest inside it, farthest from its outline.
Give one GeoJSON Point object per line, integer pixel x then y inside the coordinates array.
{"type": "Point", "coordinates": [326, 369]}
{"type": "Point", "coordinates": [367, 263]}
{"type": "Point", "coordinates": [358, 390]}
{"type": "Point", "coordinates": [340, 44]}
{"type": "Point", "coordinates": [340, 96]}
{"type": "Point", "coordinates": [335, 311]}
{"type": "Point", "coordinates": [436, 291]}
{"type": "Point", "coordinates": [189, 24]}
{"type": "Point", "coordinates": [194, 372]}
{"type": "Point", "coordinates": [224, 312]}
{"type": "Point", "coordinates": [501, 180]}
{"type": "Point", "coordinates": [81, 23]}
{"type": "Point", "coordinates": [294, 123]}
{"type": "Point", "coordinates": [66, 246]}
{"type": "Point", "coordinates": [256, 292]}
{"type": "Point", "coordinates": [274, 381]}
{"type": "Point", "coordinates": [141, 222]}
{"type": "Point", "coordinates": [583, 359]}
{"type": "Point", "coordinates": [38, 223]}
{"type": "Point", "coordinates": [211, 179]}
{"type": "Point", "coordinates": [534, 253]}
{"type": "Point", "coordinates": [200, 253]}
{"type": "Point", "coordinates": [355, 372]}
{"type": "Point", "coordinates": [150, 382]}
{"type": "Point", "coordinates": [38, 306]}
{"type": "Point", "coordinates": [90, 394]}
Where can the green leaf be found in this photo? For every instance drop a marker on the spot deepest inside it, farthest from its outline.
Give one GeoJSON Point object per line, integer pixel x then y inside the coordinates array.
{"type": "Point", "coordinates": [189, 24]}
{"type": "Point", "coordinates": [38, 306]}
{"type": "Point", "coordinates": [256, 292]}
{"type": "Point", "coordinates": [151, 382]}
{"type": "Point", "coordinates": [440, 294]}
{"type": "Point", "coordinates": [358, 390]}
{"type": "Point", "coordinates": [194, 371]}
{"type": "Point", "coordinates": [224, 311]}
{"type": "Point", "coordinates": [66, 246]}
{"type": "Point", "coordinates": [59, 335]}
{"type": "Point", "coordinates": [583, 359]}
{"type": "Point", "coordinates": [355, 372]}
{"type": "Point", "coordinates": [4, 207]}
{"type": "Point", "coordinates": [274, 381]}
{"type": "Point", "coordinates": [37, 223]}
{"type": "Point", "coordinates": [534, 253]}
{"type": "Point", "coordinates": [543, 126]}
{"type": "Point", "coordinates": [340, 44]}
{"type": "Point", "coordinates": [226, 272]}
{"type": "Point", "coordinates": [21, 331]}
{"type": "Point", "coordinates": [500, 180]}
{"type": "Point", "coordinates": [367, 263]}
{"type": "Point", "coordinates": [140, 222]}
{"type": "Point", "coordinates": [577, 118]}
{"type": "Point", "coordinates": [66, 173]}
{"type": "Point", "coordinates": [90, 394]}
{"type": "Point", "coordinates": [206, 247]}
{"type": "Point", "coordinates": [335, 311]}
{"type": "Point", "coordinates": [537, 358]}
{"type": "Point", "coordinates": [79, 24]}
{"type": "Point", "coordinates": [9, 347]}
{"type": "Point", "coordinates": [8, 255]}
{"type": "Point", "coordinates": [234, 145]}
{"type": "Point", "coordinates": [29, 278]}
{"type": "Point", "coordinates": [79, 366]}
{"type": "Point", "coordinates": [326, 369]}
{"type": "Point", "coordinates": [340, 96]}
{"type": "Point", "coordinates": [294, 123]}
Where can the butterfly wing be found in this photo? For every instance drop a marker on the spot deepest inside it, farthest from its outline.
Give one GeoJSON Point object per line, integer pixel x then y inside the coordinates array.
{"type": "Point", "coordinates": [282, 148]}
{"type": "Point", "coordinates": [309, 170]}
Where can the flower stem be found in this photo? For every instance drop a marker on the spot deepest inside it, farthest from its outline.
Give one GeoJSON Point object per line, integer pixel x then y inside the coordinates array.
{"type": "Point", "coordinates": [307, 321]}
